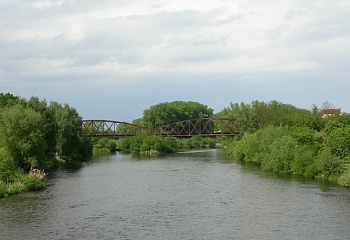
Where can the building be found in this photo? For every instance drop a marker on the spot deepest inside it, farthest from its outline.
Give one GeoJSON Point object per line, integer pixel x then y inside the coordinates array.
{"type": "Point", "coordinates": [331, 112]}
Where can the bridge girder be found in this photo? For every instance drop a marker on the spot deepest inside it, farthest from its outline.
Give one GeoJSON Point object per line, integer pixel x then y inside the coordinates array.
{"type": "Point", "coordinates": [187, 128]}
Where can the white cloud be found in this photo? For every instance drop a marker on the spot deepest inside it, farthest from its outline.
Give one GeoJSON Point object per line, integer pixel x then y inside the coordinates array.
{"type": "Point", "coordinates": [47, 4]}
{"type": "Point", "coordinates": [131, 41]}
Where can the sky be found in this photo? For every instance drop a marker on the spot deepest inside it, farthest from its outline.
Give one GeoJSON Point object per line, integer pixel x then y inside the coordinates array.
{"type": "Point", "coordinates": [114, 59]}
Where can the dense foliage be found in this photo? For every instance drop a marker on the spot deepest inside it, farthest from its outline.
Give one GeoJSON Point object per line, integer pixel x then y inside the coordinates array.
{"type": "Point", "coordinates": [166, 113]}
{"type": "Point", "coordinates": [257, 115]}
{"type": "Point", "coordinates": [284, 139]}
{"type": "Point", "coordinates": [156, 144]}
{"type": "Point", "coordinates": [35, 135]}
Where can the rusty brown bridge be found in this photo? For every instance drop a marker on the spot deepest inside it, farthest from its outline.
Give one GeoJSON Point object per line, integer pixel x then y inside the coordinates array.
{"type": "Point", "coordinates": [205, 127]}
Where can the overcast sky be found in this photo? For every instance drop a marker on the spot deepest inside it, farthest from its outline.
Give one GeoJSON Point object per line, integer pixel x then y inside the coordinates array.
{"type": "Point", "coordinates": [113, 59]}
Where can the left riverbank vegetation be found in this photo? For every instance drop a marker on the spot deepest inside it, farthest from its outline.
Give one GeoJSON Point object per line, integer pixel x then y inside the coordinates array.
{"type": "Point", "coordinates": [34, 137]}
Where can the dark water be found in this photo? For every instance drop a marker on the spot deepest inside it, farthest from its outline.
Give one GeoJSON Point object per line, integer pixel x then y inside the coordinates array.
{"type": "Point", "coordinates": [180, 196]}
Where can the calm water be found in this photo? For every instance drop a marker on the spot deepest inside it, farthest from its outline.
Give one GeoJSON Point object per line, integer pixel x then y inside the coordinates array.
{"type": "Point", "coordinates": [189, 195]}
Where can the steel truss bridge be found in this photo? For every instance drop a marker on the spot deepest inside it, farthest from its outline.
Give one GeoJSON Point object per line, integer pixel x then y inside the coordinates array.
{"type": "Point", "coordinates": [205, 127]}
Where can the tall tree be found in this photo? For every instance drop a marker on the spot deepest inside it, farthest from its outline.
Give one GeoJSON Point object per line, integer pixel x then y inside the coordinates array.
{"type": "Point", "coordinates": [70, 141]}
{"type": "Point", "coordinates": [166, 113]}
{"type": "Point", "coordinates": [22, 136]}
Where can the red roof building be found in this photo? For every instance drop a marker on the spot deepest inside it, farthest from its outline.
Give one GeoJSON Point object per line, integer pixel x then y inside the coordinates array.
{"type": "Point", "coordinates": [331, 112]}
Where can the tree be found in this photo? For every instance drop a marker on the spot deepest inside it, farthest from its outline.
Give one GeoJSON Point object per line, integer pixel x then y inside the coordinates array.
{"type": "Point", "coordinates": [7, 100]}
{"type": "Point", "coordinates": [339, 142]}
{"type": "Point", "coordinates": [7, 165]}
{"type": "Point", "coordinates": [49, 124]}
{"type": "Point", "coordinates": [70, 141]}
{"type": "Point", "coordinates": [22, 136]}
{"type": "Point", "coordinates": [166, 113]}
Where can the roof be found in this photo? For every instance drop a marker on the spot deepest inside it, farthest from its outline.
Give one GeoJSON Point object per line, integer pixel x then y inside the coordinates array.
{"type": "Point", "coordinates": [332, 111]}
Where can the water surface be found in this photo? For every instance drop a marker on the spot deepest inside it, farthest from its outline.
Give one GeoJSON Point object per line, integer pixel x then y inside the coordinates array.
{"type": "Point", "coordinates": [189, 195]}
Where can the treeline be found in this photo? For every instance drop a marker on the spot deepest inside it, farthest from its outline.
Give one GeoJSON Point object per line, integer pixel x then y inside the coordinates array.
{"type": "Point", "coordinates": [170, 112]}
{"type": "Point", "coordinates": [285, 139]}
{"type": "Point", "coordinates": [156, 116]}
{"type": "Point", "coordinates": [37, 135]}
{"type": "Point", "coordinates": [148, 144]}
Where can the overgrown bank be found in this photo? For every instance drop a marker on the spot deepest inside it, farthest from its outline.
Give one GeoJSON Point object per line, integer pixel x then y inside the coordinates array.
{"type": "Point", "coordinates": [36, 136]}
{"type": "Point", "coordinates": [286, 140]}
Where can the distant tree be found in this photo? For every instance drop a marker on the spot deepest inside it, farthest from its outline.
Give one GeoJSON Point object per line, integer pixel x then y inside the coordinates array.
{"type": "Point", "coordinates": [165, 113]}
{"type": "Point", "coordinates": [327, 105]}
{"type": "Point", "coordinates": [258, 115]}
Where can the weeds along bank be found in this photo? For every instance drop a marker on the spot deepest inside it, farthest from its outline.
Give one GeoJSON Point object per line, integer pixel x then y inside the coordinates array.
{"type": "Point", "coordinates": [298, 150]}
{"type": "Point", "coordinates": [19, 182]}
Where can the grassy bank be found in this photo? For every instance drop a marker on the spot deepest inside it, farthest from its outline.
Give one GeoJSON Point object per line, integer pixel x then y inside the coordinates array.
{"type": "Point", "coordinates": [33, 181]}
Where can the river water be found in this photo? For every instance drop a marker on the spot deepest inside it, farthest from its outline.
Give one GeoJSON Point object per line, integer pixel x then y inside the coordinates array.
{"type": "Point", "coordinates": [189, 195]}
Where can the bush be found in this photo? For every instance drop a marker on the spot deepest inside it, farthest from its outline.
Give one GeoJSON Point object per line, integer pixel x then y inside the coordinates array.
{"type": "Point", "coordinates": [32, 183]}
{"type": "Point", "coordinates": [281, 155]}
{"type": "Point", "coordinates": [111, 145]}
{"type": "Point", "coordinates": [304, 156]}
{"type": "Point", "coordinates": [7, 165]}
{"type": "Point", "coordinates": [3, 189]}
{"type": "Point", "coordinates": [35, 180]}
{"type": "Point", "coordinates": [344, 179]}
{"type": "Point", "coordinates": [15, 188]}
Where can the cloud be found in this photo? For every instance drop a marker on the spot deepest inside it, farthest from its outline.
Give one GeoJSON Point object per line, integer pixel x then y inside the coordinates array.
{"type": "Point", "coordinates": [131, 42]}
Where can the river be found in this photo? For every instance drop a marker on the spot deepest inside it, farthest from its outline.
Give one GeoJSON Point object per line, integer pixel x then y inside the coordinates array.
{"type": "Point", "coordinates": [188, 195]}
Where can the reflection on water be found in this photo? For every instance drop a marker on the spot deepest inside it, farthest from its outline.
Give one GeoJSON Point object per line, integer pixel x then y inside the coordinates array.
{"type": "Point", "coordinates": [187, 195]}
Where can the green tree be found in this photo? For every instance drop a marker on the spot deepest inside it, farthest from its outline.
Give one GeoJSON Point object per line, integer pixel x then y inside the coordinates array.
{"type": "Point", "coordinates": [7, 165]}
{"type": "Point", "coordinates": [7, 100]}
{"type": "Point", "coordinates": [339, 142]}
{"type": "Point", "coordinates": [49, 125]}
{"type": "Point", "coordinates": [166, 113]}
{"type": "Point", "coordinates": [70, 141]}
{"type": "Point", "coordinates": [281, 155]}
{"type": "Point", "coordinates": [22, 136]}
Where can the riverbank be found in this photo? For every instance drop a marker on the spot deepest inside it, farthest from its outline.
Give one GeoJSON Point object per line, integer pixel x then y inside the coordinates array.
{"type": "Point", "coordinates": [294, 150]}
{"type": "Point", "coordinates": [33, 181]}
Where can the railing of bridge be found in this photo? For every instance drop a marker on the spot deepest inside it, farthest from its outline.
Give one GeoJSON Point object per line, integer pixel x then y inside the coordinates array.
{"type": "Point", "coordinates": [187, 128]}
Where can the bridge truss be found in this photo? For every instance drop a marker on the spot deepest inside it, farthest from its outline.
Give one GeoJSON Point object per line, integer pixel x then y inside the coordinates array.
{"type": "Point", "coordinates": [200, 127]}
{"type": "Point", "coordinates": [188, 128]}
{"type": "Point", "coordinates": [112, 129]}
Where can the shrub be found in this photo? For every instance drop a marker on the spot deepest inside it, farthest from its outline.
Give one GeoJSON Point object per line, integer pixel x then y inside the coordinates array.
{"type": "Point", "coordinates": [15, 188]}
{"type": "Point", "coordinates": [35, 180]}
{"type": "Point", "coordinates": [111, 145]}
{"type": "Point", "coordinates": [304, 156]}
{"type": "Point", "coordinates": [3, 189]}
{"type": "Point", "coordinates": [39, 174]}
{"type": "Point", "coordinates": [344, 179]}
{"type": "Point", "coordinates": [281, 155]}
{"type": "Point", "coordinates": [7, 165]}
{"type": "Point", "coordinates": [32, 183]}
